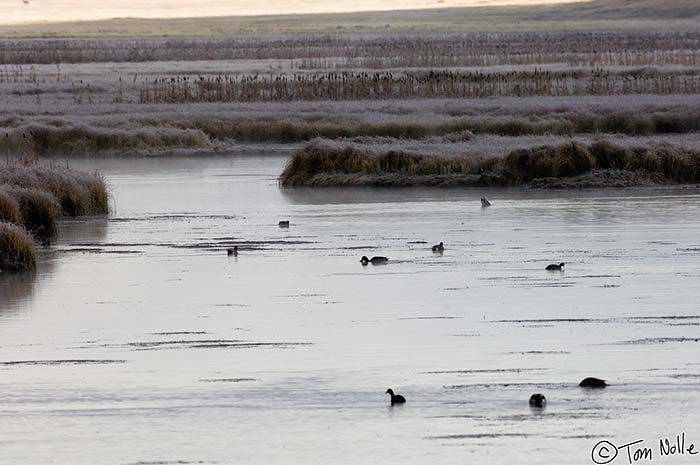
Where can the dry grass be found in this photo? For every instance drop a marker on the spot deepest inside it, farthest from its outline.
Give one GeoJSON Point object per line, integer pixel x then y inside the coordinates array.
{"type": "Point", "coordinates": [35, 196]}
{"type": "Point", "coordinates": [16, 248]}
{"type": "Point", "coordinates": [195, 132]}
{"type": "Point", "coordinates": [437, 83]}
{"type": "Point", "coordinates": [85, 140]}
{"type": "Point", "coordinates": [628, 123]}
{"type": "Point", "coordinates": [75, 192]}
{"type": "Point", "coordinates": [323, 164]}
{"type": "Point", "coordinates": [9, 209]}
{"type": "Point", "coordinates": [39, 211]}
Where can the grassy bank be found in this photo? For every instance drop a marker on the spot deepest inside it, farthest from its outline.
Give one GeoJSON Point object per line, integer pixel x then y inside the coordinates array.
{"type": "Point", "coordinates": [564, 124]}
{"type": "Point", "coordinates": [33, 198]}
{"type": "Point", "coordinates": [71, 140]}
{"type": "Point", "coordinates": [329, 164]}
{"type": "Point", "coordinates": [214, 133]}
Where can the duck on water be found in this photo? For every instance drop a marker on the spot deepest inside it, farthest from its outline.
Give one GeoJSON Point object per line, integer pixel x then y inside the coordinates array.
{"type": "Point", "coordinates": [538, 400]}
{"type": "Point", "coordinates": [554, 267]}
{"type": "Point", "coordinates": [374, 260]}
{"type": "Point", "coordinates": [593, 383]}
{"type": "Point", "coordinates": [396, 398]}
{"type": "Point", "coordinates": [439, 247]}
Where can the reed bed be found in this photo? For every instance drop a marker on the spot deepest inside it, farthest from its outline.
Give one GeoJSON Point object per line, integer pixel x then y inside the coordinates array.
{"type": "Point", "coordinates": [338, 86]}
{"type": "Point", "coordinates": [16, 248]}
{"type": "Point", "coordinates": [327, 164]}
{"type": "Point", "coordinates": [321, 51]}
{"type": "Point", "coordinates": [562, 124]}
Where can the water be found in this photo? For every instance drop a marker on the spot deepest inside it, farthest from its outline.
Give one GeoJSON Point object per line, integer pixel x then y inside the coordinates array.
{"type": "Point", "coordinates": [140, 341]}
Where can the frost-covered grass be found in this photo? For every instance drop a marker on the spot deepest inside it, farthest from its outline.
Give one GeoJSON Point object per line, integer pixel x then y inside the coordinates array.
{"type": "Point", "coordinates": [324, 163]}
{"type": "Point", "coordinates": [16, 248]}
{"type": "Point", "coordinates": [39, 211]}
{"type": "Point", "coordinates": [433, 83]}
{"type": "Point", "coordinates": [133, 129]}
{"type": "Point", "coordinates": [35, 196]}
{"type": "Point", "coordinates": [506, 90]}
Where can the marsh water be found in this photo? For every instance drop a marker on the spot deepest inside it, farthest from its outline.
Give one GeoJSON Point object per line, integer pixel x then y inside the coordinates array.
{"type": "Point", "coordinates": [139, 341]}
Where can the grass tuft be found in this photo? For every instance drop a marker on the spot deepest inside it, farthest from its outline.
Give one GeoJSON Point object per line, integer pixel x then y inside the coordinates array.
{"type": "Point", "coordinates": [9, 209]}
{"type": "Point", "coordinates": [40, 211]}
{"type": "Point", "coordinates": [16, 248]}
{"type": "Point", "coordinates": [35, 196]}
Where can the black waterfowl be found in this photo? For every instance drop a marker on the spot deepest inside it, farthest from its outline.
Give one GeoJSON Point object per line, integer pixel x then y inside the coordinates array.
{"type": "Point", "coordinates": [593, 383]}
{"type": "Point", "coordinates": [233, 251]}
{"type": "Point", "coordinates": [283, 224]}
{"type": "Point", "coordinates": [538, 400]}
{"type": "Point", "coordinates": [485, 203]}
{"type": "Point", "coordinates": [439, 247]}
{"type": "Point", "coordinates": [396, 398]}
{"type": "Point", "coordinates": [374, 260]}
{"type": "Point", "coordinates": [555, 267]}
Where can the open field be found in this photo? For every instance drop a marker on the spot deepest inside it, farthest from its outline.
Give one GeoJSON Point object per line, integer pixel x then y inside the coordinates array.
{"type": "Point", "coordinates": [584, 15]}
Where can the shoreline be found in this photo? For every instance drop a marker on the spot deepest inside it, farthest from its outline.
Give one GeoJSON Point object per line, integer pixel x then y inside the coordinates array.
{"type": "Point", "coordinates": [599, 179]}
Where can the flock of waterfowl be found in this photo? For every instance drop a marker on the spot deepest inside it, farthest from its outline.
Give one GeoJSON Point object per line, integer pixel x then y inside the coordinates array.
{"type": "Point", "coordinates": [537, 400]}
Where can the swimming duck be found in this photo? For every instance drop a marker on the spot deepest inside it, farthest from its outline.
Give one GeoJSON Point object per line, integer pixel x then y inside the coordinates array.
{"type": "Point", "coordinates": [374, 260]}
{"type": "Point", "coordinates": [396, 398]}
{"type": "Point", "coordinates": [283, 224]}
{"type": "Point", "coordinates": [485, 203]}
{"type": "Point", "coordinates": [439, 247]}
{"type": "Point", "coordinates": [538, 400]}
{"type": "Point", "coordinates": [553, 267]}
{"type": "Point", "coordinates": [593, 383]}
{"type": "Point", "coordinates": [233, 251]}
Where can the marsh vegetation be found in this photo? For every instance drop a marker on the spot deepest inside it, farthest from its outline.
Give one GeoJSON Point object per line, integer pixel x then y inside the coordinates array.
{"type": "Point", "coordinates": [470, 94]}
{"type": "Point", "coordinates": [33, 197]}
{"type": "Point", "coordinates": [327, 164]}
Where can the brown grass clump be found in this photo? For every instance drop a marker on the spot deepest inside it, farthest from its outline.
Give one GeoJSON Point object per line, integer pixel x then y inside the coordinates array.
{"type": "Point", "coordinates": [77, 193]}
{"type": "Point", "coordinates": [9, 209]}
{"type": "Point", "coordinates": [16, 248]}
{"type": "Point", "coordinates": [39, 211]}
{"type": "Point", "coordinates": [318, 159]}
{"type": "Point", "coordinates": [566, 160]}
{"type": "Point", "coordinates": [35, 196]}
{"type": "Point", "coordinates": [325, 164]}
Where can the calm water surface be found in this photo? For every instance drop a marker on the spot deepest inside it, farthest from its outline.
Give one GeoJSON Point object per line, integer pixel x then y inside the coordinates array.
{"type": "Point", "coordinates": [139, 341]}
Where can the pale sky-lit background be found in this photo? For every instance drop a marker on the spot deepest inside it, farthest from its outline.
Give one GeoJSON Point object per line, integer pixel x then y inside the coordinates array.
{"type": "Point", "coordinates": [17, 12]}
